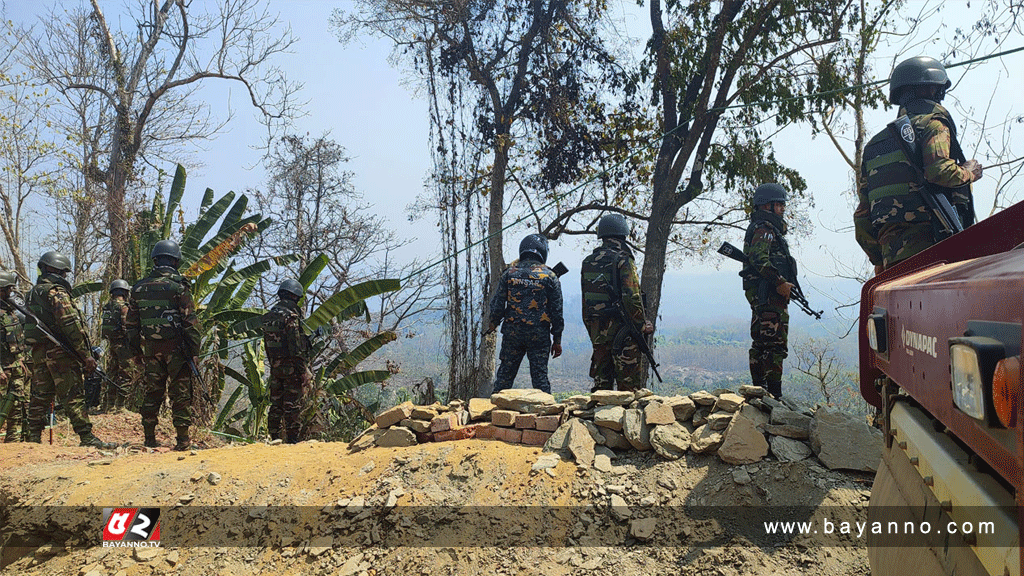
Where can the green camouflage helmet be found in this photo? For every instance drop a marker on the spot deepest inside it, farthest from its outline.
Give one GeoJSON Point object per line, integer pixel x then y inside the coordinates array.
{"type": "Point", "coordinates": [290, 287]}
{"type": "Point", "coordinates": [119, 284]}
{"type": "Point", "coordinates": [56, 261]}
{"type": "Point", "coordinates": [768, 193]}
{"type": "Point", "coordinates": [8, 279]}
{"type": "Point", "coordinates": [917, 71]}
{"type": "Point", "coordinates": [612, 225]}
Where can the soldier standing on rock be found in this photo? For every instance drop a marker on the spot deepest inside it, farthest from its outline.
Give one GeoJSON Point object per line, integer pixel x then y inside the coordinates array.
{"type": "Point", "coordinates": [13, 372]}
{"type": "Point", "coordinates": [113, 328]}
{"type": "Point", "coordinates": [288, 349]}
{"type": "Point", "coordinates": [529, 302]}
{"type": "Point", "coordinates": [612, 297]}
{"type": "Point", "coordinates": [163, 333]}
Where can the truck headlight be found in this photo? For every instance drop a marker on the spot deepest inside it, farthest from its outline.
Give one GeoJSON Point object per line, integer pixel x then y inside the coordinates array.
{"type": "Point", "coordinates": [972, 361]}
{"type": "Point", "coordinates": [878, 333]}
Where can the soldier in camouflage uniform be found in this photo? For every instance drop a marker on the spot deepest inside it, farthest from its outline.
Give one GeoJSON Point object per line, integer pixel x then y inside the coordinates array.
{"type": "Point", "coordinates": [767, 287]}
{"type": "Point", "coordinates": [892, 222]}
{"type": "Point", "coordinates": [529, 303]}
{"type": "Point", "coordinates": [164, 336]}
{"type": "Point", "coordinates": [612, 297]}
{"type": "Point", "coordinates": [288, 349]}
{"type": "Point", "coordinates": [56, 371]}
{"type": "Point", "coordinates": [113, 328]}
{"type": "Point", "coordinates": [13, 372]}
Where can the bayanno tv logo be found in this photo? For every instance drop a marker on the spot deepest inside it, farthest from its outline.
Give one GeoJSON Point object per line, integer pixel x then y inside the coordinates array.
{"type": "Point", "coordinates": [131, 527]}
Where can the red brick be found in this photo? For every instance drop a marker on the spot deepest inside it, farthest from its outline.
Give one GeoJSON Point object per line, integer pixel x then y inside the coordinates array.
{"type": "Point", "coordinates": [424, 437]}
{"type": "Point", "coordinates": [526, 421]}
{"type": "Point", "coordinates": [442, 422]}
{"type": "Point", "coordinates": [549, 423]}
{"type": "Point", "coordinates": [504, 417]}
{"type": "Point", "coordinates": [485, 430]}
{"type": "Point", "coordinates": [463, 433]}
{"type": "Point", "coordinates": [510, 435]}
{"type": "Point", "coordinates": [535, 437]}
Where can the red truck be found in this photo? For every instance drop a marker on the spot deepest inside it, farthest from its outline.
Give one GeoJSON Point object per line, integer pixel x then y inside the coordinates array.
{"type": "Point", "coordinates": [940, 343]}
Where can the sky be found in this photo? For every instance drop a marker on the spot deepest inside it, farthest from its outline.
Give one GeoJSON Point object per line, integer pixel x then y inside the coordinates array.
{"type": "Point", "coordinates": [371, 107]}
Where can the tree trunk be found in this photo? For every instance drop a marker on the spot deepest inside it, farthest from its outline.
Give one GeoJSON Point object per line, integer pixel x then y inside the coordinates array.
{"type": "Point", "coordinates": [496, 260]}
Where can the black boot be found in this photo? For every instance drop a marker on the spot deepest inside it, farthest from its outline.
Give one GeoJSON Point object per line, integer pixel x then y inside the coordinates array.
{"type": "Point", "coordinates": [182, 438]}
{"type": "Point", "coordinates": [774, 387]}
{"type": "Point", "coordinates": [34, 436]}
{"type": "Point", "coordinates": [150, 432]}
{"type": "Point", "coordinates": [90, 439]}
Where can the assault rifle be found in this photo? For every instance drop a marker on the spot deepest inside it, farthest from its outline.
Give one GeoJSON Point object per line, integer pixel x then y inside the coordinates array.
{"type": "Point", "coordinates": [631, 328]}
{"type": "Point", "coordinates": [796, 295]}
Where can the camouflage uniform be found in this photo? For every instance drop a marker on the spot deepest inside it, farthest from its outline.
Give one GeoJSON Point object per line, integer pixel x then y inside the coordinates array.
{"type": "Point", "coordinates": [609, 277]}
{"type": "Point", "coordinates": [529, 302]}
{"type": "Point", "coordinates": [769, 265]}
{"type": "Point", "coordinates": [891, 221]}
{"type": "Point", "coordinates": [12, 347]}
{"type": "Point", "coordinates": [113, 329]}
{"type": "Point", "coordinates": [288, 349]}
{"type": "Point", "coordinates": [162, 327]}
{"type": "Point", "coordinates": [55, 372]}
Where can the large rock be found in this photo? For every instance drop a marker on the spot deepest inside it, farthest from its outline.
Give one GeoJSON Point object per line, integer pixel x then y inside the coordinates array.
{"type": "Point", "coordinates": [748, 391]}
{"type": "Point", "coordinates": [397, 436]}
{"type": "Point", "coordinates": [794, 432]}
{"type": "Point", "coordinates": [704, 440]}
{"type": "Point", "coordinates": [760, 418]}
{"type": "Point", "coordinates": [480, 408]}
{"type": "Point", "coordinates": [366, 439]}
{"type": "Point", "coordinates": [559, 439]}
{"type": "Point", "coordinates": [700, 416]}
{"type": "Point", "coordinates": [420, 426]}
{"type": "Point", "coordinates": [786, 417]}
{"type": "Point", "coordinates": [636, 430]}
{"type": "Point", "coordinates": [682, 406]}
{"type": "Point", "coordinates": [522, 400]}
{"type": "Point", "coordinates": [657, 413]}
{"type": "Point", "coordinates": [670, 441]}
{"type": "Point", "coordinates": [704, 398]}
{"type": "Point", "coordinates": [609, 417]}
{"type": "Point", "coordinates": [615, 440]}
{"type": "Point", "coordinates": [844, 442]}
{"type": "Point", "coordinates": [743, 443]}
{"type": "Point", "coordinates": [719, 420]}
{"type": "Point", "coordinates": [789, 450]}
{"type": "Point", "coordinates": [580, 443]}
{"type": "Point", "coordinates": [578, 402]}
{"type": "Point", "coordinates": [612, 397]}
{"type": "Point", "coordinates": [394, 415]}
{"type": "Point", "coordinates": [728, 402]}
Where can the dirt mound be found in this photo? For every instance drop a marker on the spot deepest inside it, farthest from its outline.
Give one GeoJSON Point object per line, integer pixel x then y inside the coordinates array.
{"type": "Point", "coordinates": [397, 510]}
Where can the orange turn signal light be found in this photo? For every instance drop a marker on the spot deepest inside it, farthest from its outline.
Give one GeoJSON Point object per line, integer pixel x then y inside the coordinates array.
{"type": "Point", "coordinates": [1005, 387]}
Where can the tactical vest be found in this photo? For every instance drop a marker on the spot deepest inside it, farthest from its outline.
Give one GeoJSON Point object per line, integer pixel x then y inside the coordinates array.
{"type": "Point", "coordinates": [13, 340]}
{"type": "Point", "coordinates": [34, 302]}
{"type": "Point", "coordinates": [111, 325]}
{"type": "Point", "coordinates": [282, 334]}
{"type": "Point", "coordinates": [157, 298]}
{"type": "Point", "coordinates": [778, 253]}
{"type": "Point", "coordinates": [601, 281]}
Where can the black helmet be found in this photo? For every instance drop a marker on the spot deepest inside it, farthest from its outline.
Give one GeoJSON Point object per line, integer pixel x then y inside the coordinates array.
{"type": "Point", "coordinates": [55, 260]}
{"type": "Point", "coordinates": [768, 193]}
{"type": "Point", "coordinates": [166, 251]}
{"type": "Point", "coordinates": [291, 287]}
{"type": "Point", "coordinates": [8, 279]}
{"type": "Point", "coordinates": [917, 71]}
{"type": "Point", "coordinates": [612, 225]}
{"type": "Point", "coordinates": [119, 284]}
{"type": "Point", "coordinates": [535, 244]}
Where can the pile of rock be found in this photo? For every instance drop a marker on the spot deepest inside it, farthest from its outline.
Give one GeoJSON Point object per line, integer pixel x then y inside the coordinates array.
{"type": "Point", "coordinates": [742, 428]}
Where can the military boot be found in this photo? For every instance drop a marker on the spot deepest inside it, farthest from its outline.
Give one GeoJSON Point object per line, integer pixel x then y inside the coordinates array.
{"type": "Point", "coordinates": [34, 436]}
{"type": "Point", "coordinates": [182, 438]}
{"type": "Point", "coordinates": [90, 439]}
{"type": "Point", "coordinates": [774, 387]}
{"type": "Point", "coordinates": [150, 433]}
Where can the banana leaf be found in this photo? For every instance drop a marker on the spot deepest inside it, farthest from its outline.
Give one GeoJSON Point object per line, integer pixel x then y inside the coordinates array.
{"type": "Point", "coordinates": [357, 379]}
{"type": "Point", "coordinates": [339, 302]}
{"type": "Point", "coordinates": [345, 362]}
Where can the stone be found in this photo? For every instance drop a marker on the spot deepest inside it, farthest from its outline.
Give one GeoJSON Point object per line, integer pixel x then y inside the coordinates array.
{"type": "Point", "coordinates": [658, 413]}
{"type": "Point", "coordinates": [548, 423]}
{"type": "Point", "coordinates": [522, 400]}
{"type": "Point", "coordinates": [789, 450]}
{"type": "Point", "coordinates": [743, 443]}
{"type": "Point", "coordinates": [795, 432]}
{"type": "Point", "coordinates": [547, 409]}
{"type": "Point", "coordinates": [700, 416]}
{"type": "Point", "coordinates": [682, 406]}
{"type": "Point", "coordinates": [485, 430]}
{"type": "Point", "coordinates": [145, 554]}
{"type": "Point", "coordinates": [643, 528]}
{"type": "Point", "coordinates": [397, 436]}
{"type": "Point", "coordinates": [446, 421]}
{"type": "Point", "coordinates": [748, 391]}
{"type": "Point", "coordinates": [609, 417]}
{"type": "Point", "coordinates": [417, 426]}
{"type": "Point", "coordinates": [535, 437]}
{"type": "Point", "coordinates": [526, 421]}
{"type": "Point", "coordinates": [603, 462]}
{"type": "Point", "coordinates": [504, 417]}
{"type": "Point", "coordinates": [796, 406]}
{"type": "Point", "coordinates": [213, 478]}
{"type": "Point", "coordinates": [423, 413]}
{"type": "Point", "coordinates": [719, 420]}
{"type": "Point", "coordinates": [842, 441]}
{"type": "Point", "coordinates": [352, 566]}
{"type": "Point", "coordinates": [580, 442]}
{"type": "Point", "coordinates": [641, 393]}
{"type": "Point", "coordinates": [786, 417]}
{"type": "Point", "coordinates": [319, 545]}
{"type": "Point", "coordinates": [510, 435]}
{"type": "Point", "coordinates": [578, 402]}
{"type": "Point", "coordinates": [424, 437]}
{"type": "Point", "coordinates": [619, 509]}
{"type": "Point", "coordinates": [670, 441]}
{"type": "Point", "coordinates": [457, 433]}
{"type": "Point", "coordinates": [772, 403]}
{"type": "Point", "coordinates": [394, 415]}
{"type": "Point", "coordinates": [172, 558]}
{"type": "Point", "coordinates": [636, 430]}
{"type": "Point", "coordinates": [595, 432]}
{"type": "Point", "coordinates": [728, 402]}
{"type": "Point", "coordinates": [613, 397]}
{"type": "Point", "coordinates": [740, 476]}
{"type": "Point", "coordinates": [366, 439]}
{"type": "Point", "coordinates": [760, 418]}
{"type": "Point", "coordinates": [480, 408]}
{"type": "Point", "coordinates": [559, 439]}
{"type": "Point", "coordinates": [545, 461]}
{"type": "Point", "coordinates": [615, 440]}
{"type": "Point", "coordinates": [704, 398]}
{"type": "Point", "coordinates": [704, 440]}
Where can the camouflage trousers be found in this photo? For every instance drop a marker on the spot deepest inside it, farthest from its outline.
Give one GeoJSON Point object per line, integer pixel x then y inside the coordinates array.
{"type": "Point", "coordinates": [17, 414]}
{"type": "Point", "coordinates": [120, 369]}
{"type": "Point", "coordinates": [612, 365]}
{"type": "Point", "coordinates": [769, 334]}
{"type": "Point", "coordinates": [56, 377]}
{"type": "Point", "coordinates": [289, 379]}
{"type": "Point", "coordinates": [167, 374]}
{"type": "Point", "coordinates": [514, 345]}
{"type": "Point", "coordinates": [901, 241]}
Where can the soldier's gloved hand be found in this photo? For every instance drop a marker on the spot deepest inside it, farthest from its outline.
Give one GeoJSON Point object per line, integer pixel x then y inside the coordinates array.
{"type": "Point", "coordinates": [556, 349]}
{"type": "Point", "coordinates": [784, 290]}
{"type": "Point", "coordinates": [90, 364]}
{"type": "Point", "coordinates": [974, 167]}
{"type": "Point", "coordinates": [648, 327]}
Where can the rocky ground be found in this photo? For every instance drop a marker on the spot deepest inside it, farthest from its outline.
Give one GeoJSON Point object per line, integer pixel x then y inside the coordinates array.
{"type": "Point", "coordinates": [633, 517]}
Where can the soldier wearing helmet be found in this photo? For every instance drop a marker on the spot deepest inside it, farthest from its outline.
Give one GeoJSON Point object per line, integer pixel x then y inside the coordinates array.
{"type": "Point", "coordinates": [114, 329]}
{"type": "Point", "coordinates": [14, 375]}
{"type": "Point", "coordinates": [288, 349]}
{"type": "Point", "coordinates": [528, 305]}
{"type": "Point", "coordinates": [612, 297]}
{"type": "Point", "coordinates": [892, 222]}
{"type": "Point", "coordinates": [164, 335]}
{"type": "Point", "coordinates": [57, 372]}
{"type": "Point", "coordinates": [766, 284]}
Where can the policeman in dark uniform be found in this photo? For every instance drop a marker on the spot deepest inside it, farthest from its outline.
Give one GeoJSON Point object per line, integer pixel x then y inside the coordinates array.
{"type": "Point", "coordinates": [164, 335]}
{"type": "Point", "coordinates": [529, 302]}
{"type": "Point", "coordinates": [288, 349]}
{"type": "Point", "coordinates": [767, 284]}
{"type": "Point", "coordinates": [113, 328]}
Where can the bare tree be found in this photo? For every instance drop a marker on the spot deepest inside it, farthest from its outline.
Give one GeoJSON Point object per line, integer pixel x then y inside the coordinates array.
{"type": "Point", "coordinates": [832, 378]}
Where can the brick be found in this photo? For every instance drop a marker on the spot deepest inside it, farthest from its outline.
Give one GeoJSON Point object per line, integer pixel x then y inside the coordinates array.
{"type": "Point", "coordinates": [442, 422]}
{"type": "Point", "coordinates": [526, 421]}
{"type": "Point", "coordinates": [548, 423]}
{"type": "Point", "coordinates": [485, 430]}
{"type": "Point", "coordinates": [394, 415]}
{"type": "Point", "coordinates": [504, 417]}
{"type": "Point", "coordinates": [424, 437]}
{"type": "Point", "coordinates": [463, 433]}
{"type": "Point", "coordinates": [510, 435]}
{"type": "Point", "coordinates": [535, 437]}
